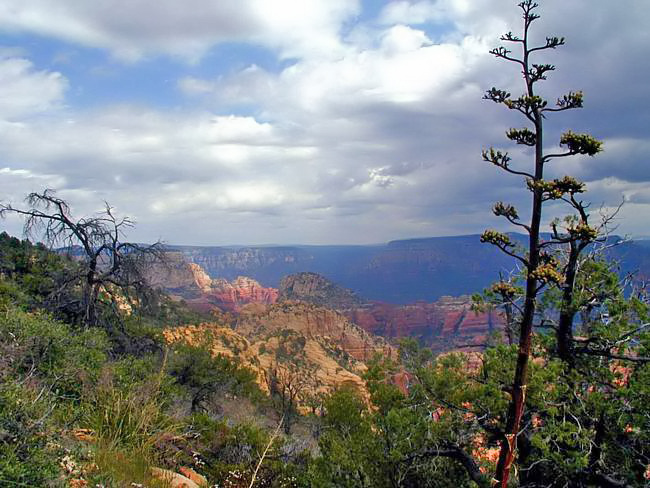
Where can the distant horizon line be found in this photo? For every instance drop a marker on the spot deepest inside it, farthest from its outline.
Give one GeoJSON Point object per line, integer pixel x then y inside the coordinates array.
{"type": "Point", "coordinates": [375, 244]}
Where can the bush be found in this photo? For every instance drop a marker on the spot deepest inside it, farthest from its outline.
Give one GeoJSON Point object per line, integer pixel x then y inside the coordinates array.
{"type": "Point", "coordinates": [125, 409]}
{"type": "Point", "coordinates": [203, 376]}
{"type": "Point", "coordinates": [26, 456]}
{"type": "Point", "coordinates": [229, 454]}
{"type": "Point", "coordinates": [34, 345]}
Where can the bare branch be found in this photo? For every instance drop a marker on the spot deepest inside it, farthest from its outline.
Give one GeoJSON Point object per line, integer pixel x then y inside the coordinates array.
{"type": "Point", "coordinates": [105, 260]}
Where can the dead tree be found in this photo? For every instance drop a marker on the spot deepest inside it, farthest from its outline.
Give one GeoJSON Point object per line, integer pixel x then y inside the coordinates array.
{"type": "Point", "coordinates": [106, 264]}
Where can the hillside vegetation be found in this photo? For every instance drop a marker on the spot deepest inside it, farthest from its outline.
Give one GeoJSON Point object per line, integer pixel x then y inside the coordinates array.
{"type": "Point", "coordinates": [114, 406]}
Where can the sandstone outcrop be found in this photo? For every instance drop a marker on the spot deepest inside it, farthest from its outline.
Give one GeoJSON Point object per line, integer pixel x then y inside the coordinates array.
{"type": "Point", "coordinates": [176, 274]}
{"type": "Point", "coordinates": [326, 366]}
{"type": "Point", "coordinates": [174, 480]}
{"type": "Point", "coordinates": [322, 347]}
{"type": "Point", "coordinates": [190, 282]}
{"type": "Point", "coordinates": [313, 321]}
{"type": "Point", "coordinates": [231, 295]}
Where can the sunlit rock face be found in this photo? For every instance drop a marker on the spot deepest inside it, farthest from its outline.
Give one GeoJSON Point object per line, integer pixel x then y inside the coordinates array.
{"type": "Point", "coordinates": [190, 282]}
{"type": "Point", "coordinates": [312, 321]}
{"type": "Point", "coordinates": [175, 273]}
{"type": "Point", "coordinates": [232, 295]}
{"type": "Point", "coordinates": [320, 346]}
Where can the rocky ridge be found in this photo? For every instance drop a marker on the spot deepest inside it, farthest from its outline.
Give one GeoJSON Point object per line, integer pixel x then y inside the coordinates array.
{"type": "Point", "coordinates": [176, 274]}
{"type": "Point", "coordinates": [314, 288]}
{"type": "Point", "coordinates": [320, 344]}
{"type": "Point", "coordinates": [312, 322]}
{"type": "Point", "coordinates": [232, 295]}
{"type": "Point", "coordinates": [190, 282]}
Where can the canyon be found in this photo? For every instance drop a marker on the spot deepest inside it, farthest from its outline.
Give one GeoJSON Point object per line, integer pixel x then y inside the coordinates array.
{"type": "Point", "coordinates": [400, 272]}
{"type": "Point", "coordinates": [446, 324]}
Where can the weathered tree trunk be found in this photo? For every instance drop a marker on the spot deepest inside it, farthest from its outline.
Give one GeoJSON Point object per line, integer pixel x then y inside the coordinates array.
{"type": "Point", "coordinates": [564, 334]}
{"type": "Point", "coordinates": [520, 383]}
{"type": "Point", "coordinates": [90, 296]}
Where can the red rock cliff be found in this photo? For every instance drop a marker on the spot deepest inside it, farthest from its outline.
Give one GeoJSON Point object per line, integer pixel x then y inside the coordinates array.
{"type": "Point", "coordinates": [231, 296]}
{"type": "Point", "coordinates": [441, 325]}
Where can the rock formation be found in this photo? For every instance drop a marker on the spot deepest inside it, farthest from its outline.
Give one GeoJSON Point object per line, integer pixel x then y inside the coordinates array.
{"type": "Point", "coordinates": [321, 346]}
{"type": "Point", "coordinates": [190, 282]}
{"type": "Point", "coordinates": [443, 325]}
{"type": "Point", "coordinates": [313, 322]}
{"type": "Point", "coordinates": [230, 296]}
{"type": "Point", "coordinates": [316, 289]}
{"type": "Point", "coordinates": [176, 274]}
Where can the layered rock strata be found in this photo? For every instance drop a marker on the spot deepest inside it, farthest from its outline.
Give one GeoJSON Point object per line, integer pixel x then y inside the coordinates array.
{"type": "Point", "coordinates": [321, 347]}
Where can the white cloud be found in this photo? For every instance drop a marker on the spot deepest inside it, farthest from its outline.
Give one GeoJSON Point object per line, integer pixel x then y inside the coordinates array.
{"type": "Point", "coordinates": [405, 68]}
{"type": "Point", "coordinates": [405, 12]}
{"type": "Point", "coordinates": [133, 29]}
{"type": "Point", "coordinates": [194, 86]}
{"type": "Point", "coordinates": [25, 91]}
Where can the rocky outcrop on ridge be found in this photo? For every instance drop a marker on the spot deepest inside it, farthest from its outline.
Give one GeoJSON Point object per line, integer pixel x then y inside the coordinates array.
{"type": "Point", "coordinates": [176, 274]}
{"type": "Point", "coordinates": [232, 295]}
{"type": "Point", "coordinates": [312, 321]}
{"type": "Point", "coordinates": [190, 282]}
{"type": "Point", "coordinates": [314, 288]}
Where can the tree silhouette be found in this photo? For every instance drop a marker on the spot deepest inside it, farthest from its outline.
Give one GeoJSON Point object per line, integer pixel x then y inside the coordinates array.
{"type": "Point", "coordinates": [106, 263]}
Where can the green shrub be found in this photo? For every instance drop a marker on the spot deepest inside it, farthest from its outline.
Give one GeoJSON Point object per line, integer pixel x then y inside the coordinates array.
{"type": "Point", "coordinates": [203, 376]}
{"type": "Point", "coordinates": [125, 468]}
{"type": "Point", "coordinates": [33, 344]}
{"type": "Point", "coordinates": [27, 456]}
{"type": "Point", "coordinates": [125, 409]}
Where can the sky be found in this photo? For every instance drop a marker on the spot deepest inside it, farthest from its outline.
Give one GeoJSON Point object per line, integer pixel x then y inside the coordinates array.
{"type": "Point", "coordinates": [215, 122]}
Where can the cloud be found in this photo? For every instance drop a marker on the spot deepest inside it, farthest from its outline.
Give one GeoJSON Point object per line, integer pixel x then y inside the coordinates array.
{"type": "Point", "coordinates": [131, 30]}
{"type": "Point", "coordinates": [368, 130]}
{"type": "Point", "coordinates": [626, 159]}
{"type": "Point", "coordinates": [27, 91]}
{"type": "Point", "coordinates": [405, 12]}
{"type": "Point", "coordinates": [194, 86]}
